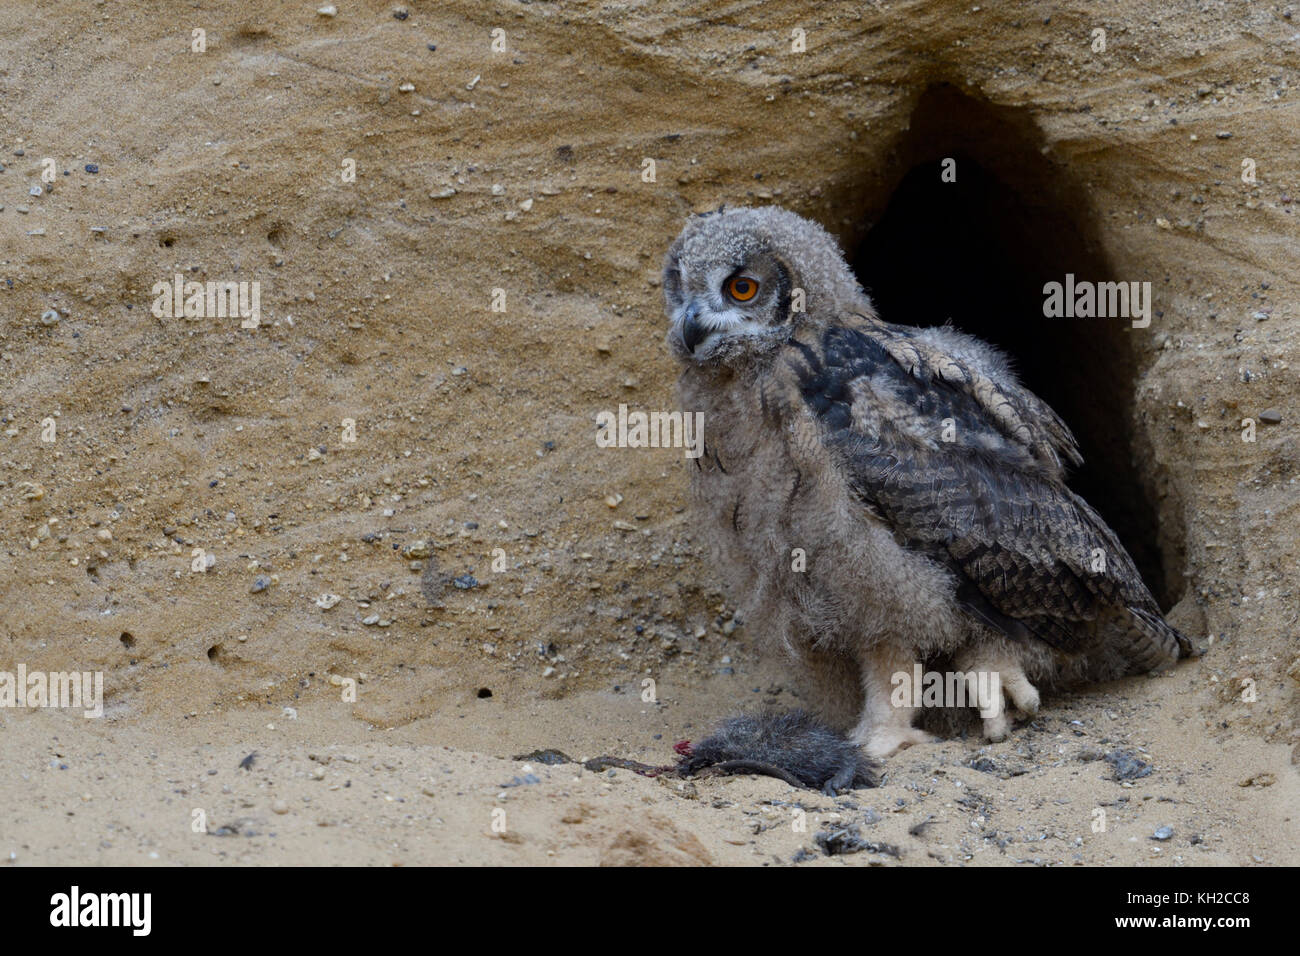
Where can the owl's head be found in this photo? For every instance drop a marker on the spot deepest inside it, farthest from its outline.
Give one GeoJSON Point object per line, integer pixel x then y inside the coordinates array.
{"type": "Point", "coordinates": [737, 282]}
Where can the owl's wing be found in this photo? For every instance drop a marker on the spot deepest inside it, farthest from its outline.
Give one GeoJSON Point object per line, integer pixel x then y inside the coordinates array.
{"type": "Point", "coordinates": [965, 469]}
{"type": "Point", "coordinates": [1013, 410]}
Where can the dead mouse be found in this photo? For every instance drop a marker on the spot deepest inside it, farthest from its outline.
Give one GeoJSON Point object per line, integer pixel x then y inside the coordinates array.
{"type": "Point", "coordinates": [795, 747]}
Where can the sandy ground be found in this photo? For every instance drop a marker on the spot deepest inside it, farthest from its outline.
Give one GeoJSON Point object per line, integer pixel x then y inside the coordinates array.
{"type": "Point", "coordinates": [520, 170]}
{"type": "Point", "coordinates": [327, 788]}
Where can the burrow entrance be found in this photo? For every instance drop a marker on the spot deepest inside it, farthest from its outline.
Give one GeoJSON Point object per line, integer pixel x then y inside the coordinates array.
{"type": "Point", "coordinates": [978, 251]}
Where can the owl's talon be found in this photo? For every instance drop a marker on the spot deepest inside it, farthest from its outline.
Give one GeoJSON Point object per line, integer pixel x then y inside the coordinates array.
{"type": "Point", "coordinates": [1014, 690]}
{"type": "Point", "coordinates": [997, 728]}
{"type": "Point", "coordinates": [1023, 694]}
{"type": "Point", "coordinates": [889, 740]}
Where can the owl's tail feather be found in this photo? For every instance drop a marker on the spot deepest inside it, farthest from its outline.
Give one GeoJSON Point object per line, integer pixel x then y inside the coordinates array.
{"type": "Point", "coordinates": [1155, 642]}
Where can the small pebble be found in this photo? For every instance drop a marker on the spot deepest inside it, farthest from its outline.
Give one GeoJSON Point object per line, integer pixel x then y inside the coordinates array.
{"type": "Point", "coordinates": [1270, 416]}
{"type": "Point", "coordinates": [260, 583]}
{"type": "Point", "coordinates": [328, 11]}
{"type": "Point", "coordinates": [1127, 765]}
{"type": "Point", "coordinates": [280, 807]}
{"type": "Point", "coordinates": [1163, 833]}
{"type": "Point", "coordinates": [92, 168]}
{"type": "Point", "coordinates": [49, 317]}
{"type": "Point", "coordinates": [527, 780]}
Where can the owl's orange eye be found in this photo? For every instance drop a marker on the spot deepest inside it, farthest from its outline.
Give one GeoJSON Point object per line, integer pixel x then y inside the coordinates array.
{"type": "Point", "coordinates": [742, 288]}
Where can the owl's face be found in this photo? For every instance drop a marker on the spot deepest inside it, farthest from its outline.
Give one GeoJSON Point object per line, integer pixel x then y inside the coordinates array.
{"type": "Point", "coordinates": [737, 282]}
{"type": "Point", "coordinates": [727, 288]}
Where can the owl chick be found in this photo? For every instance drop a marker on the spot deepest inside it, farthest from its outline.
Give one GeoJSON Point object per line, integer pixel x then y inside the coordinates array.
{"type": "Point", "coordinates": [880, 496]}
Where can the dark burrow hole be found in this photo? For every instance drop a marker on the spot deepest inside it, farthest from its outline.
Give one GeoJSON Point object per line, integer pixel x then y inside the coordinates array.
{"type": "Point", "coordinates": [127, 639]}
{"type": "Point", "coordinates": [484, 693]}
{"type": "Point", "coordinates": [978, 251]}
{"type": "Point", "coordinates": [214, 653]}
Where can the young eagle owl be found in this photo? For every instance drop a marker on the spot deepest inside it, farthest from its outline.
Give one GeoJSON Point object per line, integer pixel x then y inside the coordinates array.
{"type": "Point", "coordinates": [882, 496]}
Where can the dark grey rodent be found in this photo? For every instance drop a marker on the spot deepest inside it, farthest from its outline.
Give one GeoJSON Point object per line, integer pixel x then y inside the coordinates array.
{"type": "Point", "coordinates": [794, 747]}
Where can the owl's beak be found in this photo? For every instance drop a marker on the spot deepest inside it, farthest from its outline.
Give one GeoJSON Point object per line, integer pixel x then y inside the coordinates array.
{"type": "Point", "coordinates": [693, 333]}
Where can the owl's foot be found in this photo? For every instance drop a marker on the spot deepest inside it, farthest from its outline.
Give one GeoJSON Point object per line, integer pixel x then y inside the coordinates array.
{"type": "Point", "coordinates": [884, 727]}
{"type": "Point", "coordinates": [884, 741]}
{"type": "Point", "coordinates": [1013, 688]}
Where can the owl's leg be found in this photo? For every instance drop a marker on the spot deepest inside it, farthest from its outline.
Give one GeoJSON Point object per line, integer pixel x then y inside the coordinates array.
{"type": "Point", "coordinates": [994, 677]}
{"type": "Point", "coordinates": [884, 728]}
{"type": "Point", "coordinates": [834, 683]}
